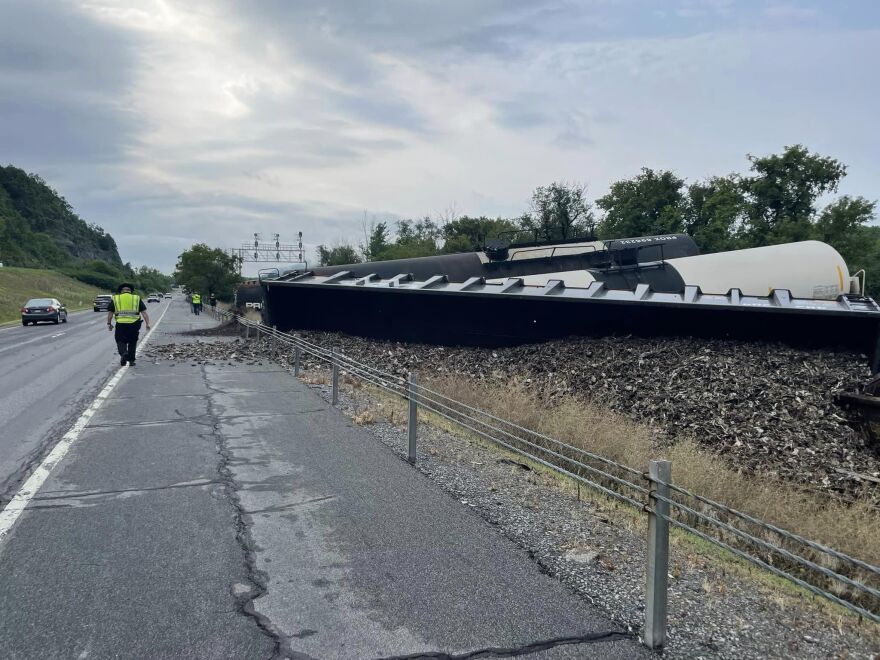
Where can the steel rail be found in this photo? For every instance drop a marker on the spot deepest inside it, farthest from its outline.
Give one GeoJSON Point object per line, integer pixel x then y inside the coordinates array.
{"type": "Point", "coordinates": [557, 468]}
{"type": "Point", "coordinates": [789, 535]}
{"type": "Point", "coordinates": [827, 572]}
{"type": "Point", "coordinates": [616, 479]}
{"type": "Point", "coordinates": [601, 459]}
{"type": "Point", "coordinates": [776, 571]}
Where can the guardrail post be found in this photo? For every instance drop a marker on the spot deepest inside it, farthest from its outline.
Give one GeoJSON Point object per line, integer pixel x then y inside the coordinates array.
{"type": "Point", "coordinates": [259, 333]}
{"type": "Point", "coordinates": [334, 361]}
{"type": "Point", "coordinates": [247, 331]}
{"type": "Point", "coordinates": [413, 423]}
{"type": "Point", "coordinates": [659, 474]}
{"type": "Point", "coordinates": [297, 357]}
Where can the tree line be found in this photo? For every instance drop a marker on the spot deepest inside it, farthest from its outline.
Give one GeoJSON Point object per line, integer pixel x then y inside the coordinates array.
{"type": "Point", "coordinates": [108, 276]}
{"type": "Point", "coordinates": [783, 197]}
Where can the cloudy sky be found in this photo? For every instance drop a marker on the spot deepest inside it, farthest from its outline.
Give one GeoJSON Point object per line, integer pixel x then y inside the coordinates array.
{"type": "Point", "coordinates": [170, 122]}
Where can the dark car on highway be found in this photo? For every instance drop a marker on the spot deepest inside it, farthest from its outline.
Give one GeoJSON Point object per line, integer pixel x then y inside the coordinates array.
{"type": "Point", "coordinates": [43, 309]}
{"type": "Point", "coordinates": [102, 303]}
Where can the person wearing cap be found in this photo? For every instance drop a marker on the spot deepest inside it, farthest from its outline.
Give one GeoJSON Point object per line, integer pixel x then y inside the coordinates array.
{"type": "Point", "coordinates": [127, 308]}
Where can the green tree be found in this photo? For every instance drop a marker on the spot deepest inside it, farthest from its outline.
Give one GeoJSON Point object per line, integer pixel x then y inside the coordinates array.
{"type": "Point", "coordinates": [377, 241]}
{"type": "Point", "coordinates": [208, 270]}
{"type": "Point", "coordinates": [414, 238]}
{"type": "Point", "coordinates": [843, 224]}
{"type": "Point", "coordinates": [559, 211]}
{"type": "Point", "coordinates": [648, 204]}
{"type": "Point", "coordinates": [466, 234]}
{"type": "Point", "coordinates": [781, 194]}
{"type": "Point", "coordinates": [424, 232]}
{"type": "Point", "coordinates": [338, 255]}
{"type": "Point", "coordinates": [868, 258]}
{"type": "Point", "coordinates": [713, 213]}
{"type": "Point", "coordinates": [150, 279]}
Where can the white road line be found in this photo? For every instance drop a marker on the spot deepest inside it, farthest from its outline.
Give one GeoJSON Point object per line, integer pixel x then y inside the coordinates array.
{"type": "Point", "coordinates": [29, 341]}
{"type": "Point", "coordinates": [16, 506]}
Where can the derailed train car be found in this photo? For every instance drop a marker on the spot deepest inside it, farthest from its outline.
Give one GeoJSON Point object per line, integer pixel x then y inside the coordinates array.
{"type": "Point", "coordinates": [248, 295]}
{"type": "Point", "coordinates": [501, 259]}
{"type": "Point", "coordinates": [808, 269]}
{"type": "Point", "coordinates": [801, 294]}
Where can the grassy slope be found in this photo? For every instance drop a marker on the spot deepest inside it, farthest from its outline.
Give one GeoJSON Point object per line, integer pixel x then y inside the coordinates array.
{"type": "Point", "coordinates": [19, 284]}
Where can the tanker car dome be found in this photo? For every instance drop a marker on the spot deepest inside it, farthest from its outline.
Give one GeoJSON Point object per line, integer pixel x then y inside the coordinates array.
{"type": "Point", "coordinates": [497, 249]}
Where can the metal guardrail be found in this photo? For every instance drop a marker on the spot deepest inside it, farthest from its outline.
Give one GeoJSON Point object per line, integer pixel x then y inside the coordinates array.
{"type": "Point", "coordinates": [849, 582]}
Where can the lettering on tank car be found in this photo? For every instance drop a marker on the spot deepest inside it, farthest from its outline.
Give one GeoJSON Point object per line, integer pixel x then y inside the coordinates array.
{"type": "Point", "coordinates": [650, 239]}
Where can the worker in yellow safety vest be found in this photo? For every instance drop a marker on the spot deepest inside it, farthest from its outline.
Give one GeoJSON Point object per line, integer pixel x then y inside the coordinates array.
{"type": "Point", "coordinates": [197, 302]}
{"type": "Point", "coordinates": [127, 308]}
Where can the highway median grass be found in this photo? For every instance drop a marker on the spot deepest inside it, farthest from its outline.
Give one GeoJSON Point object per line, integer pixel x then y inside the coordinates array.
{"type": "Point", "coordinates": [17, 285]}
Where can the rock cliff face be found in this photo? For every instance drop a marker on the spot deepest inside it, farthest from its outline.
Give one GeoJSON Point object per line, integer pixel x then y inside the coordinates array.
{"type": "Point", "coordinates": [38, 228]}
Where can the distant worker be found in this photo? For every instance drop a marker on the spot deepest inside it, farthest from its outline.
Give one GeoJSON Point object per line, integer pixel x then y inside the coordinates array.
{"type": "Point", "coordinates": [213, 301]}
{"type": "Point", "coordinates": [127, 308]}
{"type": "Point", "coordinates": [197, 303]}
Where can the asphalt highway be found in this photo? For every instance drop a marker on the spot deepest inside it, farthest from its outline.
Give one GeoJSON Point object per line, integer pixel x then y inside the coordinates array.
{"type": "Point", "coordinates": [224, 510]}
{"type": "Point", "coordinates": [48, 375]}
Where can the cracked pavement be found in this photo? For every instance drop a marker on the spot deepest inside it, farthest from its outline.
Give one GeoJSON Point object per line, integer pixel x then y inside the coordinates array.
{"type": "Point", "coordinates": [219, 511]}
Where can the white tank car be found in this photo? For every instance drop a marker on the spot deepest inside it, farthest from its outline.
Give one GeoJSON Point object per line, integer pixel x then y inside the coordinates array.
{"type": "Point", "coordinates": [808, 269]}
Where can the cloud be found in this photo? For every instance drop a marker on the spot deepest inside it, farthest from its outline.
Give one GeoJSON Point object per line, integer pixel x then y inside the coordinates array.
{"type": "Point", "coordinates": [523, 111]}
{"type": "Point", "coordinates": [61, 78]}
{"type": "Point", "coordinates": [792, 13]}
{"type": "Point", "coordinates": [207, 120]}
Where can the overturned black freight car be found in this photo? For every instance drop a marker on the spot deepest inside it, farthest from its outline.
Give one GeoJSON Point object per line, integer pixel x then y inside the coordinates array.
{"type": "Point", "coordinates": [626, 297]}
{"type": "Point", "coordinates": [499, 259]}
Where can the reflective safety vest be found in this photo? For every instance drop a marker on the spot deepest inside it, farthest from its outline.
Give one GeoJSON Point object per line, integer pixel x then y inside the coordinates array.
{"type": "Point", "coordinates": [127, 307]}
{"type": "Point", "coordinates": [197, 298]}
